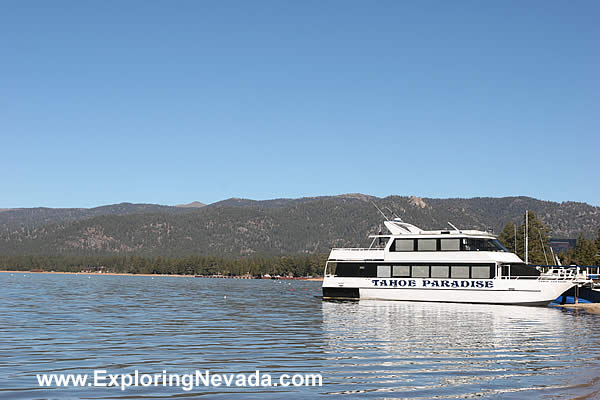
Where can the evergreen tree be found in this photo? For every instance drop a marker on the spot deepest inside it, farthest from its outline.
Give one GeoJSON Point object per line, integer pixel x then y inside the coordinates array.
{"type": "Point", "coordinates": [538, 249]}
{"type": "Point", "coordinates": [565, 256]}
{"type": "Point", "coordinates": [585, 251]}
{"type": "Point", "coordinates": [507, 237]}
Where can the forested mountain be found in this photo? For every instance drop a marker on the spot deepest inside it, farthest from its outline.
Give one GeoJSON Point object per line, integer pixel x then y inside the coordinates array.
{"type": "Point", "coordinates": [241, 227]}
{"type": "Point", "coordinates": [11, 219]}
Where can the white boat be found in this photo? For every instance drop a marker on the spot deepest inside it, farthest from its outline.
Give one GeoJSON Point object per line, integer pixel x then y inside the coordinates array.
{"type": "Point", "coordinates": [458, 266]}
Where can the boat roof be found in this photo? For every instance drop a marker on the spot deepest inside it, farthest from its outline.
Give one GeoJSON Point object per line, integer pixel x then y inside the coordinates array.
{"type": "Point", "coordinates": [399, 228]}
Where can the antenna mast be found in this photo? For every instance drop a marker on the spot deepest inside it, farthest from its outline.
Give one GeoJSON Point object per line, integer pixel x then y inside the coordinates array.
{"type": "Point", "coordinates": [555, 258]}
{"type": "Point", "coordinates": [381, 212]}
{"type": "Point", "coordinates": [392, 212]}
{"type": "Point", "coordinates": [455, 228]}
{"type": "Point", "coordinates": [526, 233]}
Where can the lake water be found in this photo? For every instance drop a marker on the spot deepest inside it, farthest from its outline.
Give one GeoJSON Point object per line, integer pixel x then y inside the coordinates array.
{"type": "Point", "coordinates": [364, 350]}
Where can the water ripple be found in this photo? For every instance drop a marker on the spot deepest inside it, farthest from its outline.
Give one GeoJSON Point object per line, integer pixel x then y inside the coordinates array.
{"type": "Point", "coordinates": [367, 349]}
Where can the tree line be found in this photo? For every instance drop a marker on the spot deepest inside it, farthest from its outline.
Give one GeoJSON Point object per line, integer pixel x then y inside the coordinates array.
{"type": "Point", "coordinates": [309, 265]}
{"type": "Point", "coordinates": [240, 229]}
{"type": "Point", "coordinates": [585, 252]}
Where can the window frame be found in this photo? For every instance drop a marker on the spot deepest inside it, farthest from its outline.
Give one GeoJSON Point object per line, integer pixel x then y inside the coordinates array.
{"type": "Point", "coordinates": [401, 276]}
{"type": "Point", "coordinates": [468, 267]}
{"type": "Point", "coordinates": [489, 270]}
{"type": "Point", "coordinates": [395, 249]}
{"type": "Point", "coordinates": [412, 268]}
{"type": "Point", "coordinates": [431, 269]}
{"type": "Point", "coordinates": [382, 268]}
{"type": "Point", "coordinates": [434, 240]}
{"type": "Point", "coordinates": [450, 239]}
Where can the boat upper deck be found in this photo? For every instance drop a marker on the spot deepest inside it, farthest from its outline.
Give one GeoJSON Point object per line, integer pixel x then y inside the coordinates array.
{"type": "Point", "coordinates": [407, 243]}
{"type": "Point", "coordinates": [374, 254]}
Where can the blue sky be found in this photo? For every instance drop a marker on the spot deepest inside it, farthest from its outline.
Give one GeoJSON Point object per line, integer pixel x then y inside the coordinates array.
{"type": "Point", "coordinates": [169, 102]}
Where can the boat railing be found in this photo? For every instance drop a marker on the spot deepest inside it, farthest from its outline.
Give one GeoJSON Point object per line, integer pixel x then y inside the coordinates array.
{"type": "Point", "coordinates": [514, 278]}
{"type": "Point", "coordinates": [563, 274]}
{"type": "Point", "coordinates": [554, 274]}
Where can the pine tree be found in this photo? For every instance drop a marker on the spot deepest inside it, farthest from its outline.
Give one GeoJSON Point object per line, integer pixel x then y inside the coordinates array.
{"type": "Point", "coordinates": [585, 251]}
{"type": "Point", "coordinates": [538, 249]}
{"type": "Point", "coordinates": [538, 241]}
{"type": "Point", "coordinates": [507, 237]}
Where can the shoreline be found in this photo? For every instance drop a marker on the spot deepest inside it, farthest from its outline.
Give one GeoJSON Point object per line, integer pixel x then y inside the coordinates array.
{"type": "Point", "coordinates": [593, 308]}
{"type": "Point", "coordinates": [91, 273]}
{"type": "Point", "coordinates": [152, 275]}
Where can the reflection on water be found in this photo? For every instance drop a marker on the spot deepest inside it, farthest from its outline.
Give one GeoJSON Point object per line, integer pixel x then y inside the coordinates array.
{"type": "Point", "coordinates": [367, 349]}
{"type": "Point", "coordinates": [431, 350]}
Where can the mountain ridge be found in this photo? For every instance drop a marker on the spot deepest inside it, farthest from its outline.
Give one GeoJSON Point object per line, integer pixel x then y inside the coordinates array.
{"type": "Point", "coordinates": [243, 227]}
{"type": "Point", "coordinates": [193, 204]}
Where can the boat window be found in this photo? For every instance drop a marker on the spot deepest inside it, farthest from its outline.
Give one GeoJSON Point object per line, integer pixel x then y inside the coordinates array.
{"type": "Point", "coordinates": [405, 245]}
{"type": "Point", "coordinates": [473, 244]}
{"type": "Point", "coordinates": [332, 268]}
{"type": "Point", "coordinates": [384, 271]}
{"type": "Point", "coordinates": [347, 269]}
{"type": "Point", "coordinates": [427, 244]}
{"type": "Point", "coordinates": [381, 242]}
{"type": "Point", "coordinates": [450, 244]}
{"type": "Point", "coordinates": [440, 271]}
{"type": "Point", "coordinates": [519, 269]}
{"type": "Point", "coordinates": [496, 243]}
{"type": "Point", "coordinates": [355, 270]}
{"type": "Point", "coordinates": [420, 271]}
{"type": "Point", "coordinates": [459, 272]}
{"type": "Point", "coordinates": [480, 272]}
{"type": "Point", "coordinates": [401, 270]}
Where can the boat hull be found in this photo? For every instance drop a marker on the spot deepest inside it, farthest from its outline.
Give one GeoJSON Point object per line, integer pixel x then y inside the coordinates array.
{"type": "Point", "coordinates": [485, 291]}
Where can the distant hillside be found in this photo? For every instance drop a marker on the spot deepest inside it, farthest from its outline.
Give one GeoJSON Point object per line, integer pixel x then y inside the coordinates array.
{"type": "Point", "coordinates": [35, 217]}
{"type": "Point", "coordinates": [282, 203]}
{"type": "Point", "coordinates": [193, 204]}
{"type": "Point", "coordinates": [241, 227]}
